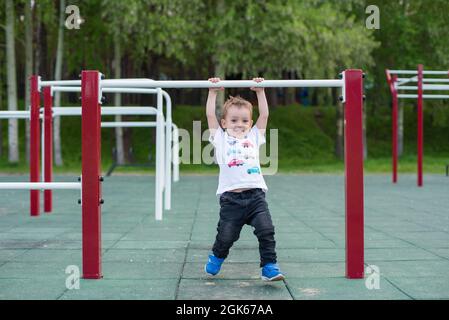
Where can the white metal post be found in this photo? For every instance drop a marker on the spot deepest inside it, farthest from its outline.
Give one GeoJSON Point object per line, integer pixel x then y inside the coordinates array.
{"type": "Point", "coordinates": [159, 159]}
{"type": "Point", "coordinates": [168, 148]}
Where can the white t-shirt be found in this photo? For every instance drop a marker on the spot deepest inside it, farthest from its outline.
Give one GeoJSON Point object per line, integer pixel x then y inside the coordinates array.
{"type": "Point", "coordinates": [238, 160]}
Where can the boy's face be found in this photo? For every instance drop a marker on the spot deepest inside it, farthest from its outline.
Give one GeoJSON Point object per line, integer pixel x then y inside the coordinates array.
{"type": "Point", "coordinates": [237, 121]}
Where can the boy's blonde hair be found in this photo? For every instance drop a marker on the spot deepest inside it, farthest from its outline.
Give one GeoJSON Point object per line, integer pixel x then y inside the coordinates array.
{"type": "Point", "coordinates": [237, 101]}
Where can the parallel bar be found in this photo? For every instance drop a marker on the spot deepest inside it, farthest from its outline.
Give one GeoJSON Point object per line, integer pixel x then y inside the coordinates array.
{"type": "Point", "coordinates": [60, 83]}
{"type": "Point", "coordinates": [420, 126]}
{"type": "Point", "coordinates": [128, 90]}
{"type": "Point", "coordinates": [14, 114]}
{"type": "Point", "coordinates": [425, 80]}
{"type": "Point", "coordinates": [354, 174]}
{"type": "Point", "coordinates": [34, 145]}
{"type": "Point", "coordinates": [425, 96]}
{"type": "Point", "coordinates": [106, 111]}
{"type": "Point", "coordinates": [48, 147]}
{"type": "Point", "coordinates": [40, 185]}
{"type": "Point", "coordinates": [91, 171]}
{"type": "Point", "coordinates": [65, 89]}
{"type": "Point", "coordinates": [129, 124]}
{"type": "Point", "coordinates": [416, 72]}
{"type": "Point", "coordinates": [424, 87]}
{"type": "Point", "coordinates": [223, 83]}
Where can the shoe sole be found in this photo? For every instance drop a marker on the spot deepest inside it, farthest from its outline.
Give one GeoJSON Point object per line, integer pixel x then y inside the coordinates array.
{"type": "Point", "coordinates": [279, 277]}
{"type": "Point", "coordinates": [209, 274]}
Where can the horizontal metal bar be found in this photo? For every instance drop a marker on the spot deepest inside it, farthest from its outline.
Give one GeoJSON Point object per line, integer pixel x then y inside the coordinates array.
{"type": "Point", "coordinates": [106, 111]}
{"type": "Point", "coordinates": [40, 185]}
{"type": "Point", "coordinates": [129, 124]}
{"type": "Point", "coordinates": [425, 96]}
{"type": "Point", "coordinates": [425, 80]}
{"type": "Point", "coordinates": [60, 83]}
{"type": "Point", "coordinates": [224, 83]}
{"type": "Point", "coordinates": [14, 114]}
{"type": "Point", "coordinates": [425, 87]}
{"type": "Point", "coordinates": [129, 90]}
{"type": "Point", "coordinates": [416, 72]}
{"type": "Point", "coordinates": [65, 89]}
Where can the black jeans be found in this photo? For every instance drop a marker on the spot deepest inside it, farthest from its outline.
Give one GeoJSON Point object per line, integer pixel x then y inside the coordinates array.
{"type": "Point", "coordinates": [240, 208]}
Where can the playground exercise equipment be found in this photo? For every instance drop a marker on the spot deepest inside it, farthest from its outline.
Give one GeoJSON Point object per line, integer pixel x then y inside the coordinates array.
{"type": "Point", "coordinates": [92, 88]}
{"type": "Point", "coordinates": [397, 84]}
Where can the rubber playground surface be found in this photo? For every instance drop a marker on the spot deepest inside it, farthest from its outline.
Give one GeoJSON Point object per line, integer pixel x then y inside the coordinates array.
{"type": "Point", "coordinates": [406, 241]}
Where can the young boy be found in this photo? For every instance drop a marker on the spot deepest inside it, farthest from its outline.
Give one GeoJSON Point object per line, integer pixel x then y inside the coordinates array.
{"type": "Point", "coordinates": [241, 185]}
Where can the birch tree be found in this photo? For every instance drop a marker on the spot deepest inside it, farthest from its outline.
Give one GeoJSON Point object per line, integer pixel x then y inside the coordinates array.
{"type": "Point", "coordinates": [13, 137]}
{"type": "Point", "coordinates": [58, 73]}
{"type": "Point", "coordinates": [28, 68]}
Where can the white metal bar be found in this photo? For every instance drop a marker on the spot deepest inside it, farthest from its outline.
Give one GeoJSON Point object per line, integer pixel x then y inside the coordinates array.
{"type": "Point", "coordinates": [426, 80]}
{"type": "Point", "coordinates": [128, 90]}
{"type": "Point", "coordinates": [224, 83]}
{"type": "Point", "coordinates": [40, 185]}
{"type": "Point", "coordinates": [176, 159]}
{"type": "Point", "coordinates": [106, 111]}
{"type": "Point", "coordinates": [416, 72]}
{"type": "Point", "coordinates": [60, 83]}
{"type": "Point", "coordinates": [425, 96]}
{"type": "Point", "coordinates": [168, 150]}
{"type": "Point", "coordinates": [65, 89]}
{"type": "Point", "coordinates": [14, 114]}
{"type": "Point", "coordinates": [159, 159]}
{"type": "Point", "coordinates": [425, 87]}
{"type": "Point", "coordinates": [129, 124]}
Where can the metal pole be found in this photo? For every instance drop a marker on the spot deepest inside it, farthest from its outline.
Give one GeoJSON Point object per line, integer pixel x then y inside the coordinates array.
{"type": "Point", "coordinates": [175, 153]}
{"type": "Point", "coordinates": [159, 158]}
{"type": "Point", "coordinates": [224, 83]}
{"type": "Point", "coordinates": [34, 145]}
{"type": "Point", "coordinates": [48, 147]}
{"type": "Point", "coordinates": [420, 126]}
{"type": "Point", "coordinates": [354, 174]}
{"type": "Point", "coordinates": [395, 132]}
{"type": "Point", "coordinates": [91, 170]}
{"type": "Point", "coordinates": [40, 185]}
{"type": "Point", "coordinates": [168, 150]}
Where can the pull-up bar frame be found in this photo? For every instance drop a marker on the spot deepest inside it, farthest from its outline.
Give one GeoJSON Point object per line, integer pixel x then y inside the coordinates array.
{"type": "Point", "coordinates": [395, 83]}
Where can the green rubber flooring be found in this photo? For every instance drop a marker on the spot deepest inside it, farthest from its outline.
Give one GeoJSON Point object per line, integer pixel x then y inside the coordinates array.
{"type": "Point", "coordinates": [406, 242]}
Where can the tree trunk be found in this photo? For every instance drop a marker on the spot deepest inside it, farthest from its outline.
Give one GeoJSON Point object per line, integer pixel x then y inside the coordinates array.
{"type": "Point", "coordinates": [120, 155]}
{"type": "Point", "coordinates": [37, 52]}
{"type": "Point", "coordinates": [58, 72]}
{"type": "Point", "coordinates": [13, 137]}
{"type": "Point", "coordinates": [220, 72]}
{"type": "Point", "coordinates": [28, 71]}
{"type": "Point", "coordinates": [339, 142]}
{"type": "Point", "coordinates": [273, 94]}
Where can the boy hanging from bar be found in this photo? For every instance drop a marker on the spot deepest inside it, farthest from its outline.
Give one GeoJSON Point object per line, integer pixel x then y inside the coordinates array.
{"type": "Point", "coordinates": [241, 186]}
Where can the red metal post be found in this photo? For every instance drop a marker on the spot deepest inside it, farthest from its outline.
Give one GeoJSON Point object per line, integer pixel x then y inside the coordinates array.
{"type": "Point", "coordinates": [34, 144]}
{"type": "Point", "coordinates": [48, 148]}
{"type": "Point", "coordinates": [394, 124]}
{"type": "Point", "coordinates": [420, 126]}
{"type": "Point", "coordinates": [354, 174]}
{"type": "Point", "coordinates": [91, 170]}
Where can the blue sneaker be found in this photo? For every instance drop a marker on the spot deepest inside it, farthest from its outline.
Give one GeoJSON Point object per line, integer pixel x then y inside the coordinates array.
{"type": "Point", "coordinates": [271, 272]}
{"type": "Point", "coordinates": [213, 265]}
